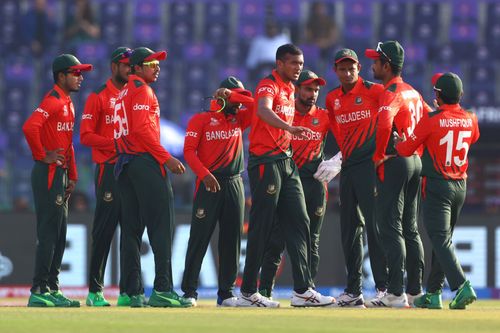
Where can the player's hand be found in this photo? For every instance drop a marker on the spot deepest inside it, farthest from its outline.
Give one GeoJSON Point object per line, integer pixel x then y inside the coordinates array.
{"type": "Point", "coordinates": [299, 131]}
{"type": "Point", "coordinates": [175, 166]}
{"type": "Point", "coordinates": [54, 156]}
{"type": "Point", "coordinates": [327, 170]}
{"type": "Point", "coordinates": [211, 183]}
{"type": "Point", "coordinates": [380, 162]}
{"type": "Point", "coordinates": [398, 139]}
{"type": "Point", "coordinates": [69, 189]}
{"type": "Point", "coordinates": [222, 93]}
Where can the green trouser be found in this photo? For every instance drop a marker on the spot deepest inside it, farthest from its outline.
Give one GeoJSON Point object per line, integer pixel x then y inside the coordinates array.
{"type": "Point", "coordinates": [147, 201]}
{"type": "Point", "coordinates": [277, 195]}
{"type": "Point", "coordinates": [228, 208]}
{"type": "Point", "coordinates": [315, 193]}
{"type": "Point", "coordinates": [357, 210]}
{"type": "Point", "coordinates": [442, 203]}
{"type": "Point", "coordinates": [106, 219]}
{"type": "Point", "coordinates": [51, 223]}
{"type": "Point", "coordinates": [397, 212]}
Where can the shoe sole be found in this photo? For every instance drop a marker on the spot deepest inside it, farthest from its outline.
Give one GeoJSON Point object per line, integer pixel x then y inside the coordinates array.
{"type": "Point", "coordinates": [464, 303]}
{"type": "Point", "coordinates": [40, 305]}
{"type": "Point", "coordinates": [313, 305]}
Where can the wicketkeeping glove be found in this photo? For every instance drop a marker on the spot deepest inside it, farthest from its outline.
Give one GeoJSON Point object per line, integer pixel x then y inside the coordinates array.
{"type": "Point", "coordinates": [328, 169]}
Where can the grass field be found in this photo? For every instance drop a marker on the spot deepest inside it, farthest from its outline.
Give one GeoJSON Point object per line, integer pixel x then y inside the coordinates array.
{"type": "Point", "coordinates": [482, 316]}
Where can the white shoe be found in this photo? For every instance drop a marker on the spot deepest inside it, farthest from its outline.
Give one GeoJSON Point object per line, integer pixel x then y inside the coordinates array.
{"type": "Point", "coordinates": [411, 298]}
{"type": "Point", "coordinates": [256, 300]}
{"type": "Point", "coordinates": [392, 301]}
{"type": "Point", "coordinates": [374, 302]}
{"type": "Point", "coordinates": [311, 298]}
{"type": "Point", "coordinates": [228, 302]}
{"type": "Point", "coordinates": [192, 300]}
{"type": "Point", "coordinates": [350, 300]}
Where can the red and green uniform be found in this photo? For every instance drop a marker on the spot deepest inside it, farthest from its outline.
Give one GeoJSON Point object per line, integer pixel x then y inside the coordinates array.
{"type": "Point", "coordinates": [214, 145]}
{"type": "Point", "coordinates": [446, 135]}
{"type": "Point", "coordinates": [353, 121]}
{"type": "Point", "coordinates": [398, 187]}
{"type": "Point", "coordinates": [96, 131]}
{"type": "Point", "coordinates": [277, 193]}
{"type": "Point", "coordinates": [50, 127]}
{"type": "Point", "coordinates": [145, 190]}
{"type": "Point", "coordinates": [307, 154]}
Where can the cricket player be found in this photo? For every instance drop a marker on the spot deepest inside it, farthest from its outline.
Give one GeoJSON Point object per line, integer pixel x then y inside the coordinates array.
{"type": "Point", "coordinates": [213, 148]}
{"type": "Point", "coordinates": [352, 108]}
{"type": "Point", "coordinates": [447, 135]}
{"type": "Point", "coordinates": [145, 190]}
{"type": "Point", "coordinates": [96, 131]}
{"type": "Point", "coordinates": [398, 178]}
{"type": "Point", "coordinates": [307, 154]}
{"type": "Point", "coordinates": [49, 133]}
{"type": "Point", "coordinates": [275, 185]}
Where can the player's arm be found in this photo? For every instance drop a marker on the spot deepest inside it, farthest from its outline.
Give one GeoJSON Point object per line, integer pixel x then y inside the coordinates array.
{"type": "Point", "coordinates": [88, 125]}
{"type": "Point", "coordinates": [407, 146]}
{"type": "Point", "coordinates": [334, 126]}
{"type": "Point", "coordinates": [266, 113]}
{"type": "Point", "coordinates": [72, 173]}
{"type": "Point", "coordinates": [385, 117]}
{"type": "Point", "coordinates": [31, 130]}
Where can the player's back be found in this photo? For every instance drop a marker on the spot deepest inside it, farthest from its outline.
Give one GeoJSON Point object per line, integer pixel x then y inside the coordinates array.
{"type": "Point", "coordinates": [452, 130]}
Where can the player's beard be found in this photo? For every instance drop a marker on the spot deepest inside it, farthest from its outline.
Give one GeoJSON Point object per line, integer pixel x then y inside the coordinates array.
{"type": "Point", "coordinates": [307, 102]}
{"type": "Point", "coordinates": [230, 110]}
{"type": "Point", "coordinates": [120, 79]}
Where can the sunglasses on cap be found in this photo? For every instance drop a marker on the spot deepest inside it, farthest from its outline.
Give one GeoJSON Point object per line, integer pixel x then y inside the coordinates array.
{"type": "Point", "coordinates": [153, 64]}
{"type": "Point", "coordinates": [74, 72]}
{"type": "Point", "coordinates": [122, 56]}
{"type": "Point", "coordinates": [379, 50]}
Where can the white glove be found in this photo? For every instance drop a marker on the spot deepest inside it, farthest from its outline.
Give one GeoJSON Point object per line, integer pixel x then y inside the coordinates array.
{"type": "Point", "coordinates": [328, 169]}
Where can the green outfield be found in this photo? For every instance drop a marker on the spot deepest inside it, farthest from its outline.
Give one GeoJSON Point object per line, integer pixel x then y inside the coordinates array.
{"type": "Point", "coordinates": [483, 316]}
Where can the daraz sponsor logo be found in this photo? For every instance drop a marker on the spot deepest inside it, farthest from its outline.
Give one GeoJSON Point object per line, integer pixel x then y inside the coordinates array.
{"type": "Point", "coordinates": [140, 107]}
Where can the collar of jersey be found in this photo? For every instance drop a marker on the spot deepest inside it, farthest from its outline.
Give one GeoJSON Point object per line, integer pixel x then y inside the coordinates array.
{"type": "Point", "coordinates": [396, 79]}
{"type": "Point", "coordinates": [112, 87]}
{"type": "Point", "coordinates": [355, 89]}
{"type": "Point", "coordinates": [133, 77]}
{"type": "Point", "coordinates": [280, 81]}
{"type": "Point", "coordinates": [61, 93]}
{"type": "Point", "coordinates": [450, 107]}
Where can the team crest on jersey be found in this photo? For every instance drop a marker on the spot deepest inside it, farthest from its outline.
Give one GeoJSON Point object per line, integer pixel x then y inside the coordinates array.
{"type": "Point", "coordinates": [59, 200]}
{"type": "Point", "coordinates": [358, 100]}
{"type": "Point", "coordinates": [315, 121]}
{"type": "Point", "coordinates": [336, 104]}
{"type": "Point", "coordinates": [65, 110]}
{"type": "Point", "coordinates": [320, 211]}
{"type": "Point", "coordinates": [271, 189]}
{"type": "Point", "coordinates": [108, 196]}
{"type": "Point", "coordinates": [200, 213]}
{"type": "Point", "coordinates": [112, 102]}
{"type": "Point", "coordinates": [233, 120]}
{"type": "Point", "coordinates": [214, 122]}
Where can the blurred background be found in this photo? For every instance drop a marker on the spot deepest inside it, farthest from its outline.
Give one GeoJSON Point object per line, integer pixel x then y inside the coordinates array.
{"type": "Point", "coordinates": [207, 40]}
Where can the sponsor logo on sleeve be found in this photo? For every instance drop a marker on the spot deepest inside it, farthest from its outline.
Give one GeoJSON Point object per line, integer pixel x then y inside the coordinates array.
{"type": "Point", "coordinates": [140, 107]}
{"type": "Point", "coordinates": [192, 134]}
{"type": "Point", "coordinates": [86, 116]}
{"type": "Point", "coordinates": [43, 112]}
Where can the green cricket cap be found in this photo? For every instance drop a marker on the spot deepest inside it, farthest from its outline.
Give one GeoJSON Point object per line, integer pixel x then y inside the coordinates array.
{"type": "Point", "coordinates": [391, 50]}
{"type": "Point", "coordinates": [448, 84]}
{"type": "Point", "coordinates": [308, 77]}
{"type": "Point", "coordinates": [69, 61]}
{"type": "Point", "coordinates": [235, 85]}
{"type": "Point", "coordinates": [344, 54]}
{"type": "Point", "coordinates": [121, 54]}
{"type": "Point", "coordinates": [144, 54]}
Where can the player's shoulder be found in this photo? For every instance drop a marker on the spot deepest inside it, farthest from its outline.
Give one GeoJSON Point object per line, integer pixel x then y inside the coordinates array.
{"type": "Point", "coordinates": [335, 91]}
{"type": "Point", "coordinates": [53, 98]}
{"type": "Point", "coordinates": [435, 114]}
{"type": "Point", "coordinates": [100, 89]}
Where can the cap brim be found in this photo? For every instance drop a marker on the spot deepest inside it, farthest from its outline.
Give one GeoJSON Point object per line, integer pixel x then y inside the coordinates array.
{"type": "Point", "coordinates": [82, 67]}
{"type": "Point", "coordinates": [124, 61]}
{"type": "Point", "coordinates": [242, 91]}
{"type": "Point", "coordinates": [345, 58]}
{"type": "Point", "coordinates": [318, 80]}
{"type": "Point", "coordinates": [372, 54]}
{"type": "Point", "coordinates": [161, 55]}
{"type": "Point", "coordinates": [435, 77]}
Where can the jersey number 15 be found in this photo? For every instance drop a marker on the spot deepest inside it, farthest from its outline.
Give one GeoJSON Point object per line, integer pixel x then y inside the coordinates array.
{"type": "Point", "coordinates": [461, 145]}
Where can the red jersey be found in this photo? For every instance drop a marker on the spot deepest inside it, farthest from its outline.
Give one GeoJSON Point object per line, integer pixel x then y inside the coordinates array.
{"type": "Point", "coordinates": [213, 142]}
{"type": "Point", "coordinates": [137, 121]}
{"type": "Point", "coordinates": [353, 117]}
{"type": "Point", "coordinates": [96, 128]}
{"type": "Point", "coordinates": [401, 108]}
{"type": "Point", "coordinates": [308, 152]}
{"type": "Point", "coordinates": [50, 127]}
{"type": "Point", "coordinates": [268, 143]}
{"type": "Point", "coordinates": [446, 135]}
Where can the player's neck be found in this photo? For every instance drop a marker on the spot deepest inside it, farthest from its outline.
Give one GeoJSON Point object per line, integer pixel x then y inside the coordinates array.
{"type": "Point", "coordinates": [119, 85]}
{"type": "Point", "coordinates": [348, 87]}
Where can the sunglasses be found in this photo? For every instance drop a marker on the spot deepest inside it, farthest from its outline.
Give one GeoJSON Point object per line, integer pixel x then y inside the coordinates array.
{"type": "Point", "coordinates": [153, 64]}
{"type": "Point", "coordinates": [379, 50]}
{"type": "Point", "coordinates": [74, 72]}
{"type": "Point", "coordinates": [122, 56]}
